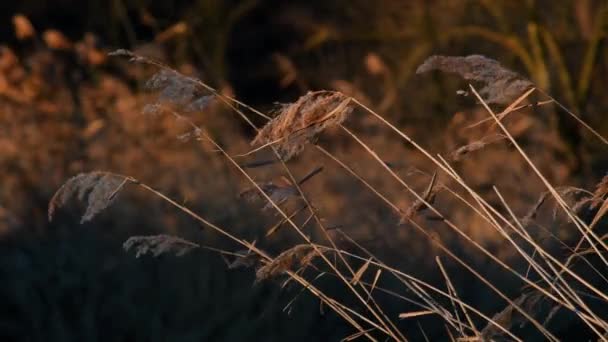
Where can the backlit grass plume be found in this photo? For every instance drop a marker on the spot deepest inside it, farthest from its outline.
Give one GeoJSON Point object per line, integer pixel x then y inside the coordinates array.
{"type": "Point", "coordinates": [97, 188]}
{"type": "Point", "coordinates": [300, 255]}
{"type": "Point", "coordinates": [301, 122]}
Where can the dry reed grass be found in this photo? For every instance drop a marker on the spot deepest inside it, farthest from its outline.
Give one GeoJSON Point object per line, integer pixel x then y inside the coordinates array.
{"type": "Point", "coordinates": [299, 124]}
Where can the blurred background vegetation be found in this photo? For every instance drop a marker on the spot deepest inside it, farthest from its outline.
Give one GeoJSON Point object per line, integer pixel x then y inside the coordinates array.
{"type": "Point", "coordinates": [65, 107]}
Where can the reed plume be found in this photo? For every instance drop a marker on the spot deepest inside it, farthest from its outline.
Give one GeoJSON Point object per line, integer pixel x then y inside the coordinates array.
{"type": "Point", "coordinates": [99, 189]}
{"type": "Point", "coordinates": [301, 122]}
{"type": "Point", "coordinates": [501, 85]}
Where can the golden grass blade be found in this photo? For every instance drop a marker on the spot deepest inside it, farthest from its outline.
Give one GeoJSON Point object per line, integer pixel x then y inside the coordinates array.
{"type": "Point", "coordinates": [360, 272]}
{"type": "Point", "coordinates": [415, 314]}
{"type": "Point", "coordinates": [374, 283]}
{"type": "Point", "coordinates": [357, 335]}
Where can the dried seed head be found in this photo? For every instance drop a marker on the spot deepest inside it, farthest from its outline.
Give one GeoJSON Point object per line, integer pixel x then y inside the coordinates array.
{"type": "Point", "coordinates": [175, 90]}
{"type": "Point", "coordinates": [98, 188]}
{"type": "Point", "coordinates": [301, 122]}
{"type": "Point", "coordinates": [501, 85]}
{"type": "Point", "coordinates": [300, 255]}
{"type": "Point", "coordinates": [178, 92]}
{"type": "Point", "coordinates": [159, 244]}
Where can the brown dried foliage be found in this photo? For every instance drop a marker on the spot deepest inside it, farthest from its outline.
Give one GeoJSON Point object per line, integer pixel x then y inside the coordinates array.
{"type": "Point", "coordinates": [301, 122]}
{"type": "Point", "coordinates": [501, 85]}
{"type": "Point", "coordinates": [98, 188]}
{"type": "Point", "coordinates": [159, 244]}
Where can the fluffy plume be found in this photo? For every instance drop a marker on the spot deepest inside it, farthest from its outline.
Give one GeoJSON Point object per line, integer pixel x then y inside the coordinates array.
{"type": "Point", "coordinates": [98, 189]}
{"type": "Point", "coordinates": [299, 255]}
{"type": "Point", "coordinates": [501, 85]}
{"type": "Point", "coordinates": [301, 122]}
{"type": "Point", "coordinates": [159, 244]}
{"type": "Point", "coordinates": [176, 91]}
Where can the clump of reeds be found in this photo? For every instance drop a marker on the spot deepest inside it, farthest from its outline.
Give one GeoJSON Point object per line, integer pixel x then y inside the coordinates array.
{"type": "Point", "coordinates": [299, 123]}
